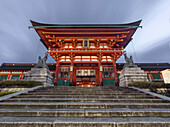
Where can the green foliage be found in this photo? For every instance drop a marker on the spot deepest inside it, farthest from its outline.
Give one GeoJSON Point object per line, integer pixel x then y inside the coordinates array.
{"type": "Point", "coordinates": [6, 93]}
{"type": "Point", "coordinates": [20, 84]}
{"type": "Point", "coordinates": [149, 85]}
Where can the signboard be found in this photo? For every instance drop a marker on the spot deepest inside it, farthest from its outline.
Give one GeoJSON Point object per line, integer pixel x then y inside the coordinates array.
{"type": "Point", "coordinates": [101, 68]}
{"type": "Point", "coordinates": [85, 43]}
{"type": "Point", "coordinates": [166, 76]}
{"type": "Point", "coordinates": [71, 68]}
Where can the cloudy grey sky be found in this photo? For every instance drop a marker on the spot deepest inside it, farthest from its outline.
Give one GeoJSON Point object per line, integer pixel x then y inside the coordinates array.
{"type": "Point", "coordinates": [18, 44]}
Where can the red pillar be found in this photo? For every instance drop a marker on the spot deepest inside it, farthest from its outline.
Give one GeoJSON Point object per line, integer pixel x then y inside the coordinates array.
{"type": "Point", "coordinates": [72, 57]}
{"type": "Point", "coordinates": [115, 72]}
{"type": "Point", "coordinates": [161, 75]}
{"type": "Point", "coordinates": [150, 76]}
{"type": "Point", "coordinates": [20, 77]}
{"type": "Point", "coordinates": [9, 76]}
{"type": "Point", "coordinates": [100, 72]}
{"type": "Point", "coordinates": [97, 77]}
{"type": "Point", "coordinates": [99, 57]}
{"type": "Point", "coordinates": [71, 71]}
{"type": "Point", "coordinates": [57, 57]}
{"type": "Point", "coordinates": [56, 72]}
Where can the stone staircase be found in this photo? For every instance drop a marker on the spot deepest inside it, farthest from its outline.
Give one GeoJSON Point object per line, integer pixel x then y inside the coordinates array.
{"type": "Point", "coordinates": [83, 107]}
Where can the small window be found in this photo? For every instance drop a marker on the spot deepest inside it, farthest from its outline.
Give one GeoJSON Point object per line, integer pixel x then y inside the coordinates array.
{"type": "Point", "coordinates": [3, 77]}
{"type": "Point", "coordinates": [156, 76]}
{"type": "Point", "coordinates": [15, 77]}
{"type": "Point", "coordinates": [85, 43]}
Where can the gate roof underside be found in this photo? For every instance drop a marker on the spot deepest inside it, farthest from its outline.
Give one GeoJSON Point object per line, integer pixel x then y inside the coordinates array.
{"type": "Point", "coordinates": [121, 34]}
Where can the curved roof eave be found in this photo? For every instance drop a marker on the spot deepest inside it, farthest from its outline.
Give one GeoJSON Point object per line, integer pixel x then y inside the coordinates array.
{"type": "Point", "coordinates": [137, 23]}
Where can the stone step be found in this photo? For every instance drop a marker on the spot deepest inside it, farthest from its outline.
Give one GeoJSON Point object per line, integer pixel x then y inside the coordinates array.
{"type": "Point", "coordinates": [81, 107]}
{"type": "Point", "coordinates": [85, 113]}
{"type": "Point", "coordinates": [79, 87]}
{"type": "Point", "coordinates": [97, 91]}
{"type": "Point", "coordinates": [88, 91]}
{"type": "Point", "coordinates": [78, 93]}
{"type": "Point", "coordinates": [85, 100]}
{"type": "Point", "coordinates": [85, 96]}
{"type": "Point", "coordinates": [84, 89]}
{"type": "Point", "coordinates": [84, 122]}
{"type": "Point", "coordinates": [75, 105]}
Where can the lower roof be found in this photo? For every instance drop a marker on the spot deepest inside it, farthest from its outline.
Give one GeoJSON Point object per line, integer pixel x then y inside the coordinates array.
{"type": "Point", "coordinates": [28, 66]}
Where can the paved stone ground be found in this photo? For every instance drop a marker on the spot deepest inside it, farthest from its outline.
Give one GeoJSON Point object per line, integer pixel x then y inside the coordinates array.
{"type": "Point", "coordinates": [84, 106]}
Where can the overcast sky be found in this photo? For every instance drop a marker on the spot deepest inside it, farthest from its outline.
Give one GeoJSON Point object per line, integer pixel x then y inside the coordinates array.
{"type": "Point", "coordinates": [18, 44]}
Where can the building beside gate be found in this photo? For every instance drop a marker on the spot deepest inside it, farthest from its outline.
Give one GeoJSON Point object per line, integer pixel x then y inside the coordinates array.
{"type": "Point", "coordinates": [16, 71]}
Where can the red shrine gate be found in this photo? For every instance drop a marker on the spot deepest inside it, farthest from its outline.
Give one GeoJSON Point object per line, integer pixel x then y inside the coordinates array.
{"type": "Point", "coordinates": [86, 54]}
